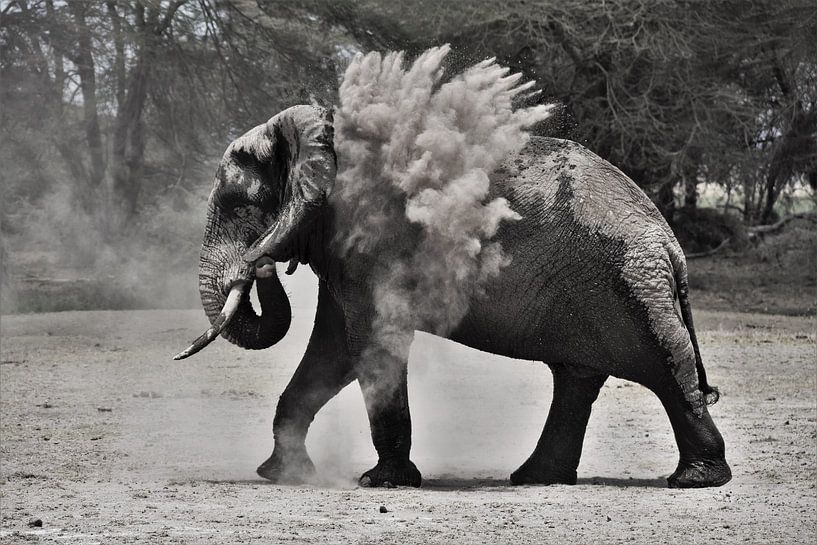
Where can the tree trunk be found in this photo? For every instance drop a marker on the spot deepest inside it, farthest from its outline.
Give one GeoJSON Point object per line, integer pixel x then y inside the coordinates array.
{"type": "Point", "coordinates": [795, 149]}
{"type": "Point", "coordinates": [665, 201]}
{"type": "Point", "coordinates": [89, 192]}
{"type": "Point", "coordinates": [119, 57]}
{"type": "Point", "coordinates": [128, 138]}
{"type": "Point", "coordinates": [748, 200]}
{"type": "Point", "coordinates": [689, 172]}
{"type": "Point", "coordinates": [772, 192]}
{"type": "Point", "coordinates": [690, 192]}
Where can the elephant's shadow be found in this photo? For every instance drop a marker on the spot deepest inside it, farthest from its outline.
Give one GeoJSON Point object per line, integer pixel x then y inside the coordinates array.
{"type": "Point", "coordinates": [459, 483]}
{"type": "Point", "coordinates": [443, 484]}
{"type": "Point", "coordinates": [657, 482]}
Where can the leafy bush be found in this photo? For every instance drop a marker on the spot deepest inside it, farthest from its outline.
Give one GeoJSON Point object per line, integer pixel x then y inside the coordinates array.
{"type": "Point", "coordinates": [703, 229]}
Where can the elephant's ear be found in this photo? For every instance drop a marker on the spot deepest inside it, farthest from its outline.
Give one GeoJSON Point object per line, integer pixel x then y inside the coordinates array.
{"type": "Point", "coordinates": [300, 141]}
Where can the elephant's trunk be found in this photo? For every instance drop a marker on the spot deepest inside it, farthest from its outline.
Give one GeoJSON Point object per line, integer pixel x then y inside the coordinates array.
{"type": "Point", "coordinates": [225, 296]}
{"type": "Point", "coordinates": [247, 329]}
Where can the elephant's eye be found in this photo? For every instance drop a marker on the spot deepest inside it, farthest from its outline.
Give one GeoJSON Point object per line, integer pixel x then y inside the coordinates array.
{"type": "Point", "coordinates": [230, 197]}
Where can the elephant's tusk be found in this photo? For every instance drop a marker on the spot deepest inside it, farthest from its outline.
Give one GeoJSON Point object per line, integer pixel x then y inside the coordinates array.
{"type": "Point", "coordinates": [221, 321]}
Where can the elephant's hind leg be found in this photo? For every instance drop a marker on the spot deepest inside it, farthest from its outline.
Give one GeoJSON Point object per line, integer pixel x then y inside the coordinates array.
{"type": "Point", "coordinates": [556, 457]}
{"type": "Point", "coordinates": [702, 454]}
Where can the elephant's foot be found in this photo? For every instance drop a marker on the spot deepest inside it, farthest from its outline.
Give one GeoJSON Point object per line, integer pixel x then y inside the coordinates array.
{"type": "Point", "coordinates": [295, 467]}
{"type": "Point", "coordinates": [392, 473]}
{"type": "Point", "coordinates": [700, 474]}
{"type": "Point", "coordinates": [532, 472]}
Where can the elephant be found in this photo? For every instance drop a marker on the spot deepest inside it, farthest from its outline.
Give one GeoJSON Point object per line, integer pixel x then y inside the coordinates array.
{"type": "Point", "coordinates": [597, 285]}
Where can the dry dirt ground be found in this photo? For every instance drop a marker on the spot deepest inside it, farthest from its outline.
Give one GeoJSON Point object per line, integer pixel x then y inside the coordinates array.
{"type": "Point", "coordinates": [106, 440]}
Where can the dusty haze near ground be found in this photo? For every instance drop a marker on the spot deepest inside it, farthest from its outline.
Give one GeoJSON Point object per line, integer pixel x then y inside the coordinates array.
{"type": "Point", "coordinates": [106, 440]}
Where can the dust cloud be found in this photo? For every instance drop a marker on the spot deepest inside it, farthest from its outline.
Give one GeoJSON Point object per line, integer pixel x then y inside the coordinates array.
{"type": "Point", "coordinates": [415, 155]}
{"type": "Point", "coordinates": [58, 257]}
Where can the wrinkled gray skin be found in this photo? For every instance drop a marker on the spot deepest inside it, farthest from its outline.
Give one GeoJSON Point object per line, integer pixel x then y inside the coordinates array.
{"type": "Point", "coordinates": [597, 286]}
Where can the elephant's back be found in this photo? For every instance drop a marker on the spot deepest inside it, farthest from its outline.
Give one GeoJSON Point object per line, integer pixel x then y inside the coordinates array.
{"type": "Point", "coordinates": [588, 256]}
{"type": "Point", "coordinates": [561, 176]}
{"type": "Point", "coordinates": [564, 191]}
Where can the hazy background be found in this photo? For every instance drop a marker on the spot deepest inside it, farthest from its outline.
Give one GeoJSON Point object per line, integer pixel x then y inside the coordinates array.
{"type": "Point", "coordinates": [114, 114]}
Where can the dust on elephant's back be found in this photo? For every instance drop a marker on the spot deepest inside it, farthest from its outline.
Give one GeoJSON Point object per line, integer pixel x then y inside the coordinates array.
{"type": "Point", "coordinates": [593, 267]}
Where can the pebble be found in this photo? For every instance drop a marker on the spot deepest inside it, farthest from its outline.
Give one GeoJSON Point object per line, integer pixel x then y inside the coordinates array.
{"type": "Point", "coordinates": [36, 523]}
{"type": "Point", "coordinates": [383, 509]}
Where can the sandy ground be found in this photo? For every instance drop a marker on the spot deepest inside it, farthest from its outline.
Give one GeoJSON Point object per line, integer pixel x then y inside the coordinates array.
{"type": "Point", "coordinates": [106, 440]}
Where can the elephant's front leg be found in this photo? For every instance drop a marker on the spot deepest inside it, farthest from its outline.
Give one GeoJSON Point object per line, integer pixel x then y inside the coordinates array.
{"type": "Point", "coordinates": [323, 372]}
{"type": "Point", "coordinates": [384, 382]}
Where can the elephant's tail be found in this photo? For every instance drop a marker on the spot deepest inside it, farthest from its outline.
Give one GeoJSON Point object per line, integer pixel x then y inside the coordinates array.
{"type": "Point", "coordinates": [710, 393]}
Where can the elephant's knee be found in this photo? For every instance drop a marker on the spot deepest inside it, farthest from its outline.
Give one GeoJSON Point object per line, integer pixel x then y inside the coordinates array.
{"type": "Point", "coordinates": [291, 414]}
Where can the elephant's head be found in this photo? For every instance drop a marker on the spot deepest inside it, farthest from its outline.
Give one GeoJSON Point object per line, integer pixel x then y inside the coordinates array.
{"type": "Point", "coordinates": [269, 189]}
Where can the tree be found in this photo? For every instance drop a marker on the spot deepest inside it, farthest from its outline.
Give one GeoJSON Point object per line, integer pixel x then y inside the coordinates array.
{"type": "Point", "coordinates": [134, 94]}
{"type": "Point", "coordinates": [671, 92]}
{"type": "Point", "coordinates": [137, 98]}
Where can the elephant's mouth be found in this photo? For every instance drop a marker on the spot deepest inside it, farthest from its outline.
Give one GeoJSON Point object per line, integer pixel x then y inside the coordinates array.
{"type": "Point", "coordinates": [264, 267]}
